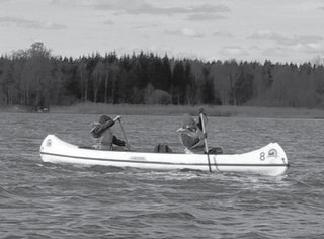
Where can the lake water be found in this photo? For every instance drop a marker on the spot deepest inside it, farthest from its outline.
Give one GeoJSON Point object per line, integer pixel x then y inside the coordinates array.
{"type": "Point", "coordinates": [39, 200]}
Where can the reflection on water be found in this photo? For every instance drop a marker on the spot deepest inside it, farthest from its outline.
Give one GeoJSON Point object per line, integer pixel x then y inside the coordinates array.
{"type": "Point", "coordinates": [39, 200]}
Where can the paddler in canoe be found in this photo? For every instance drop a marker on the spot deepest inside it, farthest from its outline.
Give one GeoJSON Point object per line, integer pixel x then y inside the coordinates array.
{"type": "Point", "coordinates": [102, 133]}
{"type": "Point", "coordinates": [191, 134]}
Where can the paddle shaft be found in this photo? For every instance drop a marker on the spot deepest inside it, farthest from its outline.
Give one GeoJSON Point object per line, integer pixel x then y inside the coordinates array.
{"type": "Point", "coordinates": [124, 134]}
{"type": "Point", "coordinates": [205, 135]}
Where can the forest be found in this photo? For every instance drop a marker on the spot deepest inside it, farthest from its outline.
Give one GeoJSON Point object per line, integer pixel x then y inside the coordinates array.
{"type": "Point", "coordinates": [34, 77]}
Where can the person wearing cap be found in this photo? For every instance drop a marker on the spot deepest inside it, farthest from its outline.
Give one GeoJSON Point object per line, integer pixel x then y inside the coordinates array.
{"type": "Point", "coordinates": [191, 135]}
{"type": "Point", "coordinates": [103, 135]}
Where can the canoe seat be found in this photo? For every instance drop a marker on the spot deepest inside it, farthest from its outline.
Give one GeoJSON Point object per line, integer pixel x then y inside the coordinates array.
{"type": "Point", "coordinates": [162, 148]}
{"type": "Point", "coordinates": [216, 150]}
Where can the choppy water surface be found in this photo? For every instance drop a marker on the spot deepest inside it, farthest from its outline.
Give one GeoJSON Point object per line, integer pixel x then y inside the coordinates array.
{"type": "Point", "coordinates": [39, 200]}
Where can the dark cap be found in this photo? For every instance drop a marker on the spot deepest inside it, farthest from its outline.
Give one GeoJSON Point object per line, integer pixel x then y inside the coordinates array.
{"type": "Point", "coordinates": [104, 118]}
{"type": "Point", "coordinates": [202, 111]}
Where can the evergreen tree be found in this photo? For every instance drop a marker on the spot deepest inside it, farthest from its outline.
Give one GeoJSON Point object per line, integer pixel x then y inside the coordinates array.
{"type": "Point", "coordinates": [34, 77]}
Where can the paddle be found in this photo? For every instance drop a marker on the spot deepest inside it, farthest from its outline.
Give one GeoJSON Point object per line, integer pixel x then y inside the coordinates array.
{"type": "Point", "coordinates": [123, 131]}
{"type": "Point", "coordinates": [201, 115]}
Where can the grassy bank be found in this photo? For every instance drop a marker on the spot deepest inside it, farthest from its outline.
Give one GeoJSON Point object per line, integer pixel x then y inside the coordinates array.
{"type": "Point", "coordinates": [239, 111]}
{"type": "Point", "coordinates": [222, 110]}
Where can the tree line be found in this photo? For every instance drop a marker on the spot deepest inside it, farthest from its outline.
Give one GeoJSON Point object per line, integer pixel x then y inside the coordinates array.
{"type": "Point", "coordinates": [34, 77]}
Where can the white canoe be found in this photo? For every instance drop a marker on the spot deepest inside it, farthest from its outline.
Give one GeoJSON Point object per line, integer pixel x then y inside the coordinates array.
{"type": "Point", "coordinates": [269, 160]}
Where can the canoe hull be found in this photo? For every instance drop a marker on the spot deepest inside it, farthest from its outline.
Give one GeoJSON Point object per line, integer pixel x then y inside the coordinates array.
{"type": "Point", "coordinates": [269, 160]}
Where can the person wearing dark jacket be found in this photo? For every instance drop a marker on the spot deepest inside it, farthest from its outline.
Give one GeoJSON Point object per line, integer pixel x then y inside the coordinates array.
{"type": "Point", "coordinates": [103, 135]}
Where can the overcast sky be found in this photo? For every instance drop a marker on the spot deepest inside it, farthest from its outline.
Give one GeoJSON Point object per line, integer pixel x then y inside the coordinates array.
{"type": "Point", "coordinates": [278, 30]}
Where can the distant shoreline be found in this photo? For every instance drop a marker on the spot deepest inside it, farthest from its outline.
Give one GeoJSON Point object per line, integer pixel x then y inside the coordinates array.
{"type": "Point", "coordinates": [212, 110]}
